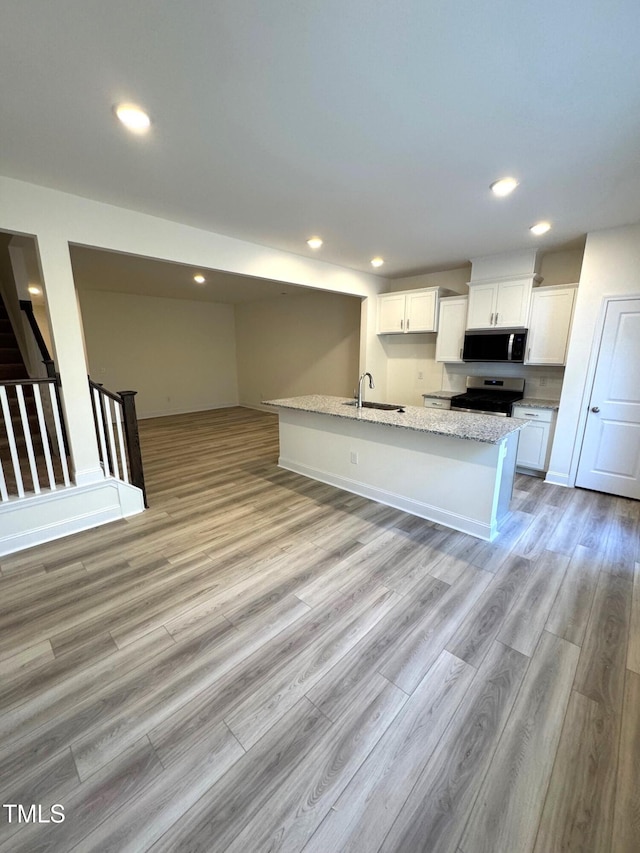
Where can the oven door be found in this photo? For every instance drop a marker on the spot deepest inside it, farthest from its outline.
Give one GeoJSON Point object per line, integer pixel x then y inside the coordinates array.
{"type": "Point", "coordinates": [480, 412]}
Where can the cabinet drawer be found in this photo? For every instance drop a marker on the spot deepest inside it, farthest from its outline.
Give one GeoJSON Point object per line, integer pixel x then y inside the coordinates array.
{"type": "Point", "coordinates": [531, 414]}
{"type": "Point", "coordinates": [436, 403]}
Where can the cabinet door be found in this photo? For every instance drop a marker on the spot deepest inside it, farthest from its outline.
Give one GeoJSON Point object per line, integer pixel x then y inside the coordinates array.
{"type": "Point", "coordinates": [532, 446]}
{"type": "Point", "coordinates": [549, 325]}
{"type": "Point", "coordinates": [420, 312]}
{"type": "Point", "coordinates": [482, 298]}
{"type": "Point", "coordinates": [512, 304]}
{"type": "Point", "coordinates": [451, 326]}
{"type": "Point", "coordinates": [391, 313]}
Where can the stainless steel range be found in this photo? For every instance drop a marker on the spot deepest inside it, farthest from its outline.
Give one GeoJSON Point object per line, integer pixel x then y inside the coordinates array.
{"type": "Point", "coordinates": [486, 395]}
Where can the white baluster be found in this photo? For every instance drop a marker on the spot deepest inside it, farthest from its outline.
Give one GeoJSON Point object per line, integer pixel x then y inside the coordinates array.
{"type": "Point", "coordinates": [59, 436]}
{"type": "Point", "coordinates": [112, 441]}
{"type": "Point", "coordinates": [123, 454]}
{"type": "Point", "coordinates": [45, 437]}
{"type": "Point", "coordinates": [26, 429]}
{"type": "Point", "coordinates": [103, 446]}
{"type": "Point", "coordinates": [13, 450]}
{"type": "Point", "coordinates": [4, 494]}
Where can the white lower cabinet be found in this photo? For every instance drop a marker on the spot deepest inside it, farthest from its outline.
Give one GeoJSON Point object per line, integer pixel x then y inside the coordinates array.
{"type": "Point", "coordinates": [534, 445]}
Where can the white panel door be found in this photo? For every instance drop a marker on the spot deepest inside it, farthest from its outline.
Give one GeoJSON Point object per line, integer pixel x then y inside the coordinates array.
{"type": "Point", "coordinates": [482, 300]}
{"type": "Point", "coordinates": [420, 311]}
{"type": "Point", "coordinates": [453, 320]}
{"type": "Point", "coordinates": [512, 304]}
{"type": "Point", "coordinates": [610, 457]}
{"type": "Point", "coordinates": [391, 313]}
{"type": "Point", "coordinates": [549, 324]}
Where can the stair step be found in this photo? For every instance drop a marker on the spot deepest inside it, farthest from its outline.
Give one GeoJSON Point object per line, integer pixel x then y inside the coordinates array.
{"type": "Point", "coordinates": [11, 372]}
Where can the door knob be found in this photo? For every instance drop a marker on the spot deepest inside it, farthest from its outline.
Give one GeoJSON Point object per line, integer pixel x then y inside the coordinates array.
{"type": "Point", "coordinates": [595, 409]}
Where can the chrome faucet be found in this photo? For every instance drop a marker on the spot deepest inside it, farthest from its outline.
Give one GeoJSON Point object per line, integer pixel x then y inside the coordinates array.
{"type": "Point", "coordinates": [371, 385]}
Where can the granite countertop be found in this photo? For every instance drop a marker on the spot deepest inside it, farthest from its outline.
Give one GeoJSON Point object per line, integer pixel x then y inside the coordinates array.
{"type": "Point", "coordinates": [483, 428]}
{"type": "Point", "coordinates": [534, 403]}
{"type": "Point", "coordinates": [443, 395]}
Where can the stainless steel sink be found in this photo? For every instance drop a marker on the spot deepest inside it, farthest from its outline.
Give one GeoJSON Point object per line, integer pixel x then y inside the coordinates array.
{"type": "Point", "coordinates": [386, 407]}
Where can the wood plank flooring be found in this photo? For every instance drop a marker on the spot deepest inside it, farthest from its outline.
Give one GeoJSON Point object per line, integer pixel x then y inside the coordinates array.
{"type": "Point", "coordinates": [261, 662]}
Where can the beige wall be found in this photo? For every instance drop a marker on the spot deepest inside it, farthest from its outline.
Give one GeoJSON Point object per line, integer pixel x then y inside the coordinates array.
{"type": "Point", "coordinates": [561, 267]}
{"type": "Point", "coordinates": [455, 280]}
{"type": "Point", "coordinates": [178, 355]}
{"type": "Point", "coordinates": [307, 344]}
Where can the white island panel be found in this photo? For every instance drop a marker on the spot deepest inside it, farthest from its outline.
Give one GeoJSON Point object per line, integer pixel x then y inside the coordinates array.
{"type": "Point", "coordinates": [458, 482]}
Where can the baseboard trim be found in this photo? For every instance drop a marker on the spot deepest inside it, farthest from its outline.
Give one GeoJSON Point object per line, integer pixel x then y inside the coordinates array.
{"type": "Point", "coordinates": [167, 414]}
{"type": "Point", "coordinates": [558, 479]}
{"type": "Point", "coordinates": [43, 518]}
{"type": "Point", "coordinates": [413, 507]}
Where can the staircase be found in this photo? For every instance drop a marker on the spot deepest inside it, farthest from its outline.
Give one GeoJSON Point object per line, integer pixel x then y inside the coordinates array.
{"type": "Point", "coordinates": [13, 370]}
{"type": "Point", "coordinates": [11, 362]}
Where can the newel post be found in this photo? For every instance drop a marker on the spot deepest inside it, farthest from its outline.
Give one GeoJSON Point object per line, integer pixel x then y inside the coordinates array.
{"type": "Point", "coordinates": [133, 440]}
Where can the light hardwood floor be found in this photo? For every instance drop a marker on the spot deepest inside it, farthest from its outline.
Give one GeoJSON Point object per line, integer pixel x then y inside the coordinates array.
{"type": "Point", "coordinates": [262, 662]}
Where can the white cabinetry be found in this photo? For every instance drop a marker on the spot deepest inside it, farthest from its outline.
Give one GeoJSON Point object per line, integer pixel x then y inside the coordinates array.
{"type": "Point", "coordinates": [391, 313]}
{"type": "Point", "coordinates": [549, 324]}
{"type": "Point", "coordinates": [534, 445]}
{"type": "Point", "coordinates": [451, 326]}
{"type": "Point", "coordinates": [502, 304]}
{"type": "Point", "coordinates": [409, 311]}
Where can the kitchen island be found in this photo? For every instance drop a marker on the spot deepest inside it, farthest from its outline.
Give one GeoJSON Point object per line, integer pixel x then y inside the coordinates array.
{"type": "Point", "coordinates": [450, 467]}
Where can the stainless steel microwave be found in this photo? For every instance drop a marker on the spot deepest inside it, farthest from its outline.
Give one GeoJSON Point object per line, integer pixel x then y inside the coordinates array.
{"type": "Point", "coordinates": [495, 345]}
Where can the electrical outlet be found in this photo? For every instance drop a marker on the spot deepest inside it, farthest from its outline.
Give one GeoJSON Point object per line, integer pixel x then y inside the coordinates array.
{"type": "Point", "coordinates": [543, 381]}
{"type": "Point", "coordinates": [420, 375]}
{"type": "Point", "coordinates": [354, 457]}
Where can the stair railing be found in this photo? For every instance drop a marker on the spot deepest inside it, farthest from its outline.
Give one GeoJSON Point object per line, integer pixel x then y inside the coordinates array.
{"type": "Point", "coordinates": [27, 307]}
{"type": "Point", "coordinates": [117, 432]}
{"type": "Point", "coordinates": [32, 452]}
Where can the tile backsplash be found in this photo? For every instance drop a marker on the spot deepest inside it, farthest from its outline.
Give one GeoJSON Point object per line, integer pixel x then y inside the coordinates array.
{"type": "Point", "coordinates": [541, 382]}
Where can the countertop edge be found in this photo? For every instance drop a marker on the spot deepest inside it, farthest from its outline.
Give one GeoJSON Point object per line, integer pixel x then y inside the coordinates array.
{"type": "Point", "coordinates": [483, 429]}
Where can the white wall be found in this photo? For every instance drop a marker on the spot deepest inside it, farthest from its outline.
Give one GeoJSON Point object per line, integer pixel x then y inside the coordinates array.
{"type": "Point", "coordinates": [611, 267]}
{"type": "Point", "coordinates": [180, 356]}
{"type": "Point", "coordinates": [411, 367]}
{"type": "Point", "coordinates": [306, 344]}
{"type": "Point", "coordinates": [57, 219]}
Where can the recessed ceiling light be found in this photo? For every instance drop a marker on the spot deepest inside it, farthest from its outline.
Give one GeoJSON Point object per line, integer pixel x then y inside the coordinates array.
{"type": "Point", "coordinates": [133, 118]}
{"type": "Point", "coordinates": [200, 279]}
{"type": "Point", "coordinates": [314, 242]}
{"type": "Point", "coordinates": [540, 228]}
{"type": "Point", "coordinates": [377, 262]}
{"type": "Point", "coordinates": [503, 187]}
{"type": "Point", "coordinates": [34, 290]}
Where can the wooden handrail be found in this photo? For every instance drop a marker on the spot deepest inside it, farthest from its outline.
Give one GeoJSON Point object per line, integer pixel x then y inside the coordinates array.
{"type": "Point", "coordinates": [132, 437]}
{"type": "Point", "coordinates": [27, 307]}
{"type": "Point", "coordinates": [46, 381]}
{"type": "Point", "coordinates": [99, 387]}
{"type": "Point", "coordinates": [126, 400]}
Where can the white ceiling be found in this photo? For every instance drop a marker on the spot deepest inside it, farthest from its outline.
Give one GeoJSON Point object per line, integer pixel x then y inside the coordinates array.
{"type": "Point", "coordinates": [378, 125]}
{"type": "Point", "coordinates": [95, 269]}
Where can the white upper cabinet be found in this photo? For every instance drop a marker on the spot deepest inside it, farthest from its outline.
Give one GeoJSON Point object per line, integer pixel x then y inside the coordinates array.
{"type": "Point", "coordinates": [391, 313]}
{"type": "Point", "coordinates": [451, 327]}
{"type": "Point", "coordinates": [503, 304]}
{"type": "Point", "coordinates": [421, 311]}
{"type": "Point", "coordinates": [549, 324]}
{"type": "Point", "coordinates": [407, 312]}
